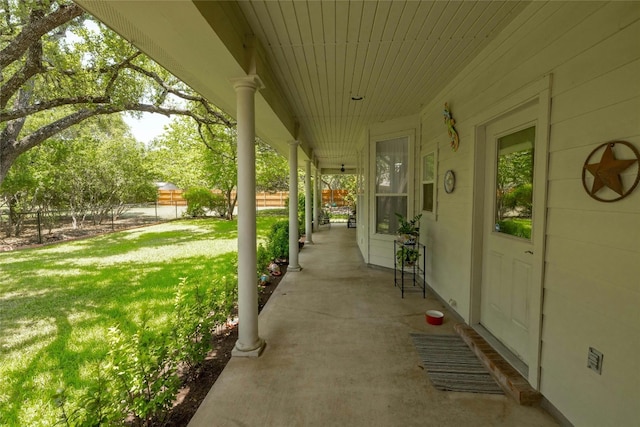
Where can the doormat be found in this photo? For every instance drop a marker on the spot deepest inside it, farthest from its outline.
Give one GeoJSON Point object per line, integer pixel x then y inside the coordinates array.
{"type": "Point", "coordinates": [452, 365]}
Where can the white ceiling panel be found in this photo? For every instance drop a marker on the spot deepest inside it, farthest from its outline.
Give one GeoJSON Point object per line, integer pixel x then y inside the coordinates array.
{"type": "Point", "coordinates": [318, 55]}
{"type": "Point", "coordinates": [395, 54]}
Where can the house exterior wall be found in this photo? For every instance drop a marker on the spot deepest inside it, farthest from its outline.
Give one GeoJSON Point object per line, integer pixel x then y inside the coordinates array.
{"type": "Point", "coordinates": [591, 281]}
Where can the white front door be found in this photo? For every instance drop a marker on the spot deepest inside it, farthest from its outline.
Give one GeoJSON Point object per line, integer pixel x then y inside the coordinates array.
{"type": "Point", "coordinates": [509, 214]}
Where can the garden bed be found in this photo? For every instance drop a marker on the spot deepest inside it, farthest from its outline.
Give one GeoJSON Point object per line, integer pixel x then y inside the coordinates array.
{"type": "Point", "coordinates": [195, 390]}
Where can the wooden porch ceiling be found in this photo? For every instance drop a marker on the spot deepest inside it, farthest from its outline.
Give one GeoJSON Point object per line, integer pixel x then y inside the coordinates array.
{"type": "Point", "coordinates": [314, 57]}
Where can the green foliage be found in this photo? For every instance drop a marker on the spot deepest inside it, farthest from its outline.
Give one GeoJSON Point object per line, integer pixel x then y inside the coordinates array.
{"type": "Point", "coordinates": [407, 255]}
{"type": "Point", "coordinates": [75, 70]}
{"type": "Point", "coordinates": [277, 244]}
{"type": "Point", "coordinates": [514, 181]}
{"type": "Point", "coordinates": [409, 227]}
{"type": "Point", "coordinates": [97, 169]}
{"type": "Point", "coordinates": [272, 169]}
{"type": "Point", "coordinates": [219, 205]}
{"type": "Point", "coordinates": [178, 156]}
{"type": "Point", "coordinates": [301, 211]}
{"type": "Point", "coordinates": [516, 227]}
{"type": "Point", "coordinates": [144, 375]}
{"type": "Point", "coordinates": [344, 182]}
{"type": "Point", "coordinates": [520, 199]}
{"type": "Point", "coordinates": [199, 200]}
{"type": "Point", "coordinates": [140, 375]}
{"type": "Point", "coordinates": [263, 258]}
{"type": "Point", "coordinates": [58, 302]}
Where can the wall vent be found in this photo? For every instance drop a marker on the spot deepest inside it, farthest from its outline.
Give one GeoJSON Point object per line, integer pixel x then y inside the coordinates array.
{"type": "Point", "coordinates": [594, 360]}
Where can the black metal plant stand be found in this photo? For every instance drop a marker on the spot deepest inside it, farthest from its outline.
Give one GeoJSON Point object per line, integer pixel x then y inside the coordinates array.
{"type": "Point", "coordinates": [410, 277]}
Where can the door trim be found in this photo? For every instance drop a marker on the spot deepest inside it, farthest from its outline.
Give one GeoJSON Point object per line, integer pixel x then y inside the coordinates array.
{"type": "Point", "coordinates": [538, 92]}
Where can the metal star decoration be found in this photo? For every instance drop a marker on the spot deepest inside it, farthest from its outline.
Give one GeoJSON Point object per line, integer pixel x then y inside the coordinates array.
{"type": "Point", "coordinates": [606, 173]}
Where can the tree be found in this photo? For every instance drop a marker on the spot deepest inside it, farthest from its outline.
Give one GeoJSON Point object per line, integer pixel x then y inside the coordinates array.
{"type": "Point", "coordinates": [94, 169]}
{"type": "Point", "coordinates": [191, 155]}
{"type": "Point", "coordinates": [56, 59]}
{"type": "Point", "coordinates": [221, 161]}
{"type": "Point", "coordinates": [177, 156]}
{"type": "Point", "coordinates": [272, 170]}
{"type": "Point", "coordinates": [514, 183]}
{"type": "Point", "coordinates": [341, 181]}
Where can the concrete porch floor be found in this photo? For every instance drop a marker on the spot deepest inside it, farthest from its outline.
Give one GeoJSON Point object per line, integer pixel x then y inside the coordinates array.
{"type": "Point", "coordinates": [339, 354]}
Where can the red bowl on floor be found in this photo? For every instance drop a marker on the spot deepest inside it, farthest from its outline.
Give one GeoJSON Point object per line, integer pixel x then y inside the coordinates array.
{"type": "Point", "coordinates": [434, 317]}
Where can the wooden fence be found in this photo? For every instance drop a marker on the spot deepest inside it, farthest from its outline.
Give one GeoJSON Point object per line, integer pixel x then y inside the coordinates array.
{"type": "Point", "coordinates": [263, 199]}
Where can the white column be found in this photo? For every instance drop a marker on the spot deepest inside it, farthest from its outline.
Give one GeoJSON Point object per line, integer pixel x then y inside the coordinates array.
{"type": "Point", "coordinates": [308, 204]}
{"type": "Point", "coordinates": [293, 207]}
{"type": "Point", "coordinates": [249, 344]}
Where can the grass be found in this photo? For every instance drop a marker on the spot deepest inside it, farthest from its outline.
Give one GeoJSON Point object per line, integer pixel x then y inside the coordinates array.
{"type": "Point", "coordinates": [519, 227]}
{"type": "Point", "coordinates": [57, 302]}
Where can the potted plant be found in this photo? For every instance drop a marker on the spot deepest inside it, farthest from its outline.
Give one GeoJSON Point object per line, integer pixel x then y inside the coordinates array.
{"type": "Point", "coordinates": [407, 255]}
{"type": "Point", "coordinates": [408, 229]}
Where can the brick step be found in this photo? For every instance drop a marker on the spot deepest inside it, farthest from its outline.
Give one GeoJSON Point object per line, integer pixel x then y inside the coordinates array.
{"type": "Point", "coordinates": [506, 375]}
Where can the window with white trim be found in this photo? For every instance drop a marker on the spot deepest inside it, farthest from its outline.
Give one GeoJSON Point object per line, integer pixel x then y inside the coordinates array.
{"type": "Point", "coordinates": [429, 182]}
{"type": "Point", "coordinates": [391, 183]}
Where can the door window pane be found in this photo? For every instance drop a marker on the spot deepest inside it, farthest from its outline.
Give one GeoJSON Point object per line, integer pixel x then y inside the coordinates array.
{"type": "Point", "coordinates": [514, 183]}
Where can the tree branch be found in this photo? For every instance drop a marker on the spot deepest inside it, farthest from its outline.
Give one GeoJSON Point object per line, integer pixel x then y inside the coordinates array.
{"type": "Point", "coordinates": [32, 66]}
{"type": "Point", "coordinates": [47, 105]}
{"type": "Point", "coordinates": [51, 129]}
{"type": "Point", "coordinates": [160, 82]}
{"type": "Point", "coordinates": [35, 29]}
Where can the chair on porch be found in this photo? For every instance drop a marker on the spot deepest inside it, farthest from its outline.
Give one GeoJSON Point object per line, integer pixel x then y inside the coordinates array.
{"type": "Point", "coordinates": [351, 221]}
{"type": "Point", "coordinates": [324, 218]}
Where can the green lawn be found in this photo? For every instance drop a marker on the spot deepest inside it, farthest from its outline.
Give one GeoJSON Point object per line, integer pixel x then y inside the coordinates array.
{"type": "Point", "coordinates": [58, 302]}
{"type": "Point", "coordinates": [519, 227]}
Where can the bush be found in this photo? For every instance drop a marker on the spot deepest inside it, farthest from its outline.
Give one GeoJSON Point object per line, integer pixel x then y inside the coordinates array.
{"type": "Point", "coordinates": [263, 259]}
{"type": "Point", "coordinates": [519, 198]}
{"type": "Point", "coordinates": [301, 212]}
{"type": "Point", "coordinates": [138, 381]}
{"type": "Point", "coordinates": [278, 240]}
{"type": "Point", "coordinates": [199, 200]}
{"type": "Point", "coordinates": [219, 205]}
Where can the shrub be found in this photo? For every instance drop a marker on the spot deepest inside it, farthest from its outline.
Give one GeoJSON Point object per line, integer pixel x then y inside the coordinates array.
{"type": "Point", "coordinates": [519, 198]}
{"type": "Point", "coordinates": [144, 375]}
{"type": "Point", "coordinates": [199, 200]}
{"type": "Point", "coordinates": [301, 211]}
{"type": "Point", "coordinates": [263, 259]}
{"type": "Point", "coordinates": [219, 205]}
{"type": "Point", "coordinates": [138, 381]}
{"type": "Point", "coordinates": [278, 240]}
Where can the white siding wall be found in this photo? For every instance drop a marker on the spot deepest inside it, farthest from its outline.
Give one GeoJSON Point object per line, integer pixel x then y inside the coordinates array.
{"type": "Point", "coordinates": [592, 260]}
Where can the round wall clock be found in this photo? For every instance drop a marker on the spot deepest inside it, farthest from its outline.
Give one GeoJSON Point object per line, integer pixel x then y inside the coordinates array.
{"type": "Point", "coordinates": [449, 181]}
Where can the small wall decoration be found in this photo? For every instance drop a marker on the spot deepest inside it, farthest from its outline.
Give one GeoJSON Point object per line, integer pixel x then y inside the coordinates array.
{"type": "Point", "coordinates": [450, 122]}
{"type": "Point", "coordinates": [449, 181]}
{"type": "Point", "coordinates": [606, 172]}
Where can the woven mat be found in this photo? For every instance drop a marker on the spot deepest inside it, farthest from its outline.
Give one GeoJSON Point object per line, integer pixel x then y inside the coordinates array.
{"type": "Point", "coordinates": [452, 366]}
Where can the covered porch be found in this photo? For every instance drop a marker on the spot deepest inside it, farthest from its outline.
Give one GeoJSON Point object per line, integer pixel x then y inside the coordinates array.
{"type": "Point", "coordinates": [339, 353]}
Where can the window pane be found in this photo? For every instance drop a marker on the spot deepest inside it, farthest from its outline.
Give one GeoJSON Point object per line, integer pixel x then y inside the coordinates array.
{"type": "Point", "coordinates": [514, 183]}
{"type": "Point", "coordinates": [392, 165]}
{"type": "Point", "coordinates": [428, 169]}
{"type": "Point", "coordinates": [427, 197]}
{"type": "Point", "coordinates": [386, 208]}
